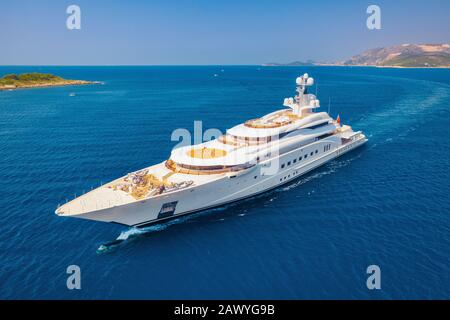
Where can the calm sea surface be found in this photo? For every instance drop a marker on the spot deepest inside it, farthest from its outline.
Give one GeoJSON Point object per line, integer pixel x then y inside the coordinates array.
{"type": "Point", "coordinates": [387, 203]}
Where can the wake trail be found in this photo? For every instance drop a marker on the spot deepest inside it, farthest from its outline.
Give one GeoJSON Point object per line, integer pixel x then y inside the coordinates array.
{"type": "Point", "coordinates": [422, 100]}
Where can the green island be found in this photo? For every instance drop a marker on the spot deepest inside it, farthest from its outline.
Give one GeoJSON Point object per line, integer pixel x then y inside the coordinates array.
{"type": "Point", "coordinates": [36, 80]}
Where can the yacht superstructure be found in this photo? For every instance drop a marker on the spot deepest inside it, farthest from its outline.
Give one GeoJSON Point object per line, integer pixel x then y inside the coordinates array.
{"type": "Point", "coordinates": [251, 158]}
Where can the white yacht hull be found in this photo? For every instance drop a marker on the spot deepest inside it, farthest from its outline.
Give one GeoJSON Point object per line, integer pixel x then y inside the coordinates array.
{"type": "Point", "coordinates": [223, 190]}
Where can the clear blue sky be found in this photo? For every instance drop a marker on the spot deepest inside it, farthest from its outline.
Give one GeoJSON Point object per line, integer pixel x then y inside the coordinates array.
{"type": "Point", "coordinates": [210, 31]}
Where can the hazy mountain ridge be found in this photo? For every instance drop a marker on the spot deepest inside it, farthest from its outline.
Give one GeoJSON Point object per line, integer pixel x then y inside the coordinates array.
{"type": "Point", "coordinates": [291, 64]}
{"type": "Point", "coordinates": [406, 55]}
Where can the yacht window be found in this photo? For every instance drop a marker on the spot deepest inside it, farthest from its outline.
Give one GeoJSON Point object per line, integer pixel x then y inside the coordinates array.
{"type": "Point", "coordinates": [282, 166]}
{"type": "Point", "coordinates": [300, 159]}
{"type": "Point", "coordinates": [317, 151]}
{"type": "Point", "coordinates": [289, 163]}
{"type": "Point", "coordinates": [295, 160]}
{"type": "Point", "coordinates": [306, 156]}
{"type": "Point", "coordinates": [312, 153]}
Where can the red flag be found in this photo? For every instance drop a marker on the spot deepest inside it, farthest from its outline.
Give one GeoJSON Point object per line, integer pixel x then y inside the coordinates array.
{"type": "Point", "coordinates": [338, 119]}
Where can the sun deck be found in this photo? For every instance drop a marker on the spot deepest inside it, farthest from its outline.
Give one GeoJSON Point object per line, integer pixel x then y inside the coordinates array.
{"type": "Point", "coordinates": [273, 120]}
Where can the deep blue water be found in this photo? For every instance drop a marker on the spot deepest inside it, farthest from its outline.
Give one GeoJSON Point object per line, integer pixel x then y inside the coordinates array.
{"type": "Point", "coordinates": [386, 204]}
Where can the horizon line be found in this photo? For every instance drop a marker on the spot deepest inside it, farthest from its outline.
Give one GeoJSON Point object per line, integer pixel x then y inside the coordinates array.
{"type": "Point", "coordinates": [172, 65]}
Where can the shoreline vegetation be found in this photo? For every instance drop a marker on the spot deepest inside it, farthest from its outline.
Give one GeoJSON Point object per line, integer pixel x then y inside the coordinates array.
{"type": "Point", "coordinates": [37, 80]}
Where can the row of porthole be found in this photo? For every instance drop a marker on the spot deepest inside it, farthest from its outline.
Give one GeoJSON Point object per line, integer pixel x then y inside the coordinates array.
{"type": "Point", "coordinates": [299, 159]}
{"type": "Point", "coordinates": [288, 176]}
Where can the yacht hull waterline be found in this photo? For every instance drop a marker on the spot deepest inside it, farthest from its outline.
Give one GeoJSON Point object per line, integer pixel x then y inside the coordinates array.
{"type": "Point", "coordinates": [250, 159]}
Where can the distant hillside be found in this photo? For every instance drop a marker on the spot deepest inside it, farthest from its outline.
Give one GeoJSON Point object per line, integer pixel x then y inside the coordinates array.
{"type": "Point", "coordinates": [290, 64]}
{"type": "Point", "coordinates": [406, 55]}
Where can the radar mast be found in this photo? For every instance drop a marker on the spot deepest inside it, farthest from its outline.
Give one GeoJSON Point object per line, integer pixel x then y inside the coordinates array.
{"type": "Point", "coordinates": [303, 102]}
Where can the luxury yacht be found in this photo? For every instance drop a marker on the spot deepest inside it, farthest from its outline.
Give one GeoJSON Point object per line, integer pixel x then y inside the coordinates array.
{"type": "Point", "coordinates": [249, 159]}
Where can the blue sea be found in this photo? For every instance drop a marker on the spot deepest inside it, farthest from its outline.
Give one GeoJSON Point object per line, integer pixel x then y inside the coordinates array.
{"type": "Point", "coordinates": [385, 204]}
